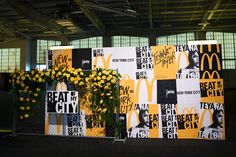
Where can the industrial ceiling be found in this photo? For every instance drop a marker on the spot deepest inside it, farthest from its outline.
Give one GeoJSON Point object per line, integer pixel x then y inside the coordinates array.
{"type": "Point", "coordinates": [74, 18]}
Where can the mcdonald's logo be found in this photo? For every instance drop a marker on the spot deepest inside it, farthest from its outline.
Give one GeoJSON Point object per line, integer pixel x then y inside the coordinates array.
{"type": "Point", "coordinates": [106, 62]}
{"type": "Point", "coordinates": [203, 117]}
{"type": "Point", "coordinates": [135, 114]}
{"type": "Point", "coordinates": [211, 76]}
{"type": "Point", "coordinates": [179, 57]}
{"type": "Point", "coordinates": [209, 46]}
{"type": "Point", "coordinates": [149, 87]}
{"type": "Point", "coordinates": [210, 61]}
{"type": "Point", "coordinates": [189, 111]}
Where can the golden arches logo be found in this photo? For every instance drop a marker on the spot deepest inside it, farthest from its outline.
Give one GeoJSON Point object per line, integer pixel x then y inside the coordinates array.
{"type": "Point", "coordinates": [189, 110]}
{"type": "Point", "coordinates": [58, 123]}
{"type": "Point", "coordinates": [203, 117]}
{"type": "Point", "coordinates": [211, 76]}
{"type": "Point", "coordinates": [125, 77]}
{"type": "Point", "coordinates": [106, 62]}
{"type": "Point", "coordinates": [210, 61]}
{"type": "Point", "coordinates": [135, 112]}
{"type": "Point", "coordinates": [209, 46]}
{"type": "Point", "coordinates": [179, 57]}
{"type": "Point", "coordinates": [149, 87]}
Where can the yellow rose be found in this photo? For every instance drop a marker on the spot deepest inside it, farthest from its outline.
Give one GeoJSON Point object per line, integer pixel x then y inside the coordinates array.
{"type": "Point", "coordinates": [26, 115]}
{"type": "Point", "coordinates": [47, 73]}
{"type": "Point", "coordinates": [108, 84]}
{"type": "Point", "coordinates": [75, 73]}
{"type": "Point", "coordinates": [26, 87]}
{"type": "Point", "coordinates": [111, 97]}
{"type": "Point", "coordinates": [32, 72]}
{"type": "Point", "coordinates": [114, 73]}
{"type": "Point", "coordinates": [101, 101]}
{"type": "Point", "coordinates": [56, 68]}
{"type": "Point", "coordinates": [27, 108]}
{"type": "Point", "coordinates": [106, 87]}
{"type": "Point", "coordinates": [52, 77]}
{"type": "Point", "coordinates": [67, 75]}
{"type": "Point", "coordinates": [109, 77]}
{"type": "Point", "coordinates": [76, 82]}
{"type": "Point", "coordinates": [102, 81]}
{"type": "Point", "coordinates": [104, 110]}
{"type": "Point", "coordinates": [36, 94]}
{"type": "Point", "coordinates": [72, 79]}
{"type": "Point", "coordinates": [81, 83]}
{"type": "Point", "coordinates": [104, 77]}
{"type": "Point", "coordinates": [33, 101]}
{"type": "Point", "coordinates": [22, 108]}
{"type": "Point", "coordinates": [40, 79]}
{"type": "Point", "coordinates": [22, 84]}
{"type": "Point", "coordinates": [79, 70]}
{"type": "Point", "coordinates": [34, 79]}
{"type": "Point", "coordinates": [99, 110]}
{"type": "Point", "coordinates": [23, 78]}
{"type": "Point", "coordinates": [95, 90]}
{"type": "Point", "coordinates": [102, 94]}
{"type": "Point", "coordinates": [86, 79]}
{"type": "Point", "coordinates": [113, 81]}
{"type": "Point", "coordinates": [53, 72]}
{"type": "Point", "coordinates": [21, 117]}
{"type": "Point", "coordinates": [38, 89]}
{"type": "Point", "coordinates": [98, 78]}
{"type": "Point", "coordinates": [81, 73]}
{"type": "Point", "coordinates": [37, 76]}
{"type": "Point", "coordinates": [59, 73]}
{"type": "Point", "coordinates": [27, 99]}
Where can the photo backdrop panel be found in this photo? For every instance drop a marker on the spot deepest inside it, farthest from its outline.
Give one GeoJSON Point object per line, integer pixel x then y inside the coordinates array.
{"type": "Point", "coordinates": [145, 91]}
{"type": "Point", "coordinates": [138, 122]}
{"type": "Point", "coordinates": [62, 57]}
{"type": "Point", "coordinates": [154, 121]}
{"type": "Point", "coordinates": [126, 94]}
{"type": "Point", "coordinates": [212, 121]}
{"type": "Point", "coordinates": [187, 62]}
{"type": "Point", "coordinates": [94, 126]}
{"type": "Point", "coordinates": [144, 62]}
{"type": "Point", "coordinates": [169, 121]}
{"type": "Point", "coordinates": [166, 92]}
{"type": "Point", "coordinates": [188, 91]}
{"type": "Point", "coordinates": [164, 62]}
{"type": "Point", "coordinates": [121, 59]}
{"type": "Point", "coordinates": [188, 121]}
{"type": "Point", "coordinates": [82, 58]}
{"type": "Point", "coordinates": [211, 82]}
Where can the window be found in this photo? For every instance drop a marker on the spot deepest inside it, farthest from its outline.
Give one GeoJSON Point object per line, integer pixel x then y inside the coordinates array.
{"type": "Point", "coordinates": [94, 42]}
{"type": "Point", "coordinates": [9, 59]}
{"type": "Point", "coordinates": [42, 47]}
{"type": "Point", "coordinates": [127, 41]}
{"type": "Point", "coordinates": [178, 39]}
{"type": "Point", "coordinates": [228, 43]}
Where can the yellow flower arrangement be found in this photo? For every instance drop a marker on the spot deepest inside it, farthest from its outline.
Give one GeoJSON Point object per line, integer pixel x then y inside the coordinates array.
{"type": "Point", "coordinates": [99, 86]}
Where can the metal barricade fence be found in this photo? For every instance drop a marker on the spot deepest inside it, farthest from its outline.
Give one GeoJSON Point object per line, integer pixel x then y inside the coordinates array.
{"type": "Point", "coordinates": [76, 125]}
